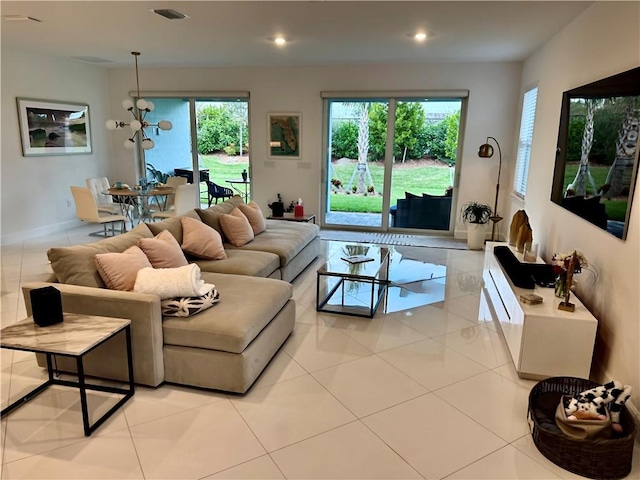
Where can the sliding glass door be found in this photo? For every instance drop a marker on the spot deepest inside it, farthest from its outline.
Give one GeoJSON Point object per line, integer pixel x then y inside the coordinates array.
{"type": "Point", "coordinates": [357, 144]}
{"type": "Point", "coordinates": [391, 162]}
{"type": "Point", "coordinates": [209, 142]}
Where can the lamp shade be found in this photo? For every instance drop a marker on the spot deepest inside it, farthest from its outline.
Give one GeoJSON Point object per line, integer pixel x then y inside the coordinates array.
{"type": "Point", "coordinates": [485, 151]}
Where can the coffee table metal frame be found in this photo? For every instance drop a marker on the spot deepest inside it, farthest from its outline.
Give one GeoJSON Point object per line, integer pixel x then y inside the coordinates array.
{"type": "Point", "coordinates": [377, 277]}
{"type": "Point", "coordinates": [81, 383]}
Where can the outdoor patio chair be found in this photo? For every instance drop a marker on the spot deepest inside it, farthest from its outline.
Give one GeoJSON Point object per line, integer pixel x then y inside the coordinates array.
{"type": "Point", "coordinates": [216, 191]}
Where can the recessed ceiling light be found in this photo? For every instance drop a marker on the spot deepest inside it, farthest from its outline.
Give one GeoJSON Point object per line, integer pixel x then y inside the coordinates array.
{"type": "Point", "coordinates": [420, 36]}
{"type": "Point", "coordinates": [280, 40]}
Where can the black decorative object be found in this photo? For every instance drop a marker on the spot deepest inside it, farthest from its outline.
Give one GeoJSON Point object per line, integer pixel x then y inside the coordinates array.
{"type": "Point", "coordinates": [46, 306]}
{"type": "Point", "coordinates": [522, 275]}
{"type": "Point", "coordinates": [244, 175]}
{"type": "Point", "coordinates": [277, 208]}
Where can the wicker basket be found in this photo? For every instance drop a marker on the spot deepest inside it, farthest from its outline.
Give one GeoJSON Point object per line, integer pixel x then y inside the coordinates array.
{"type": "Point", "coordinates": [600, 459]}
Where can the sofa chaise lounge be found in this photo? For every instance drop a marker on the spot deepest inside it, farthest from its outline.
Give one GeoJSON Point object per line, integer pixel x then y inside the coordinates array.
{"type": "Point", "coordinates": [224, 347]}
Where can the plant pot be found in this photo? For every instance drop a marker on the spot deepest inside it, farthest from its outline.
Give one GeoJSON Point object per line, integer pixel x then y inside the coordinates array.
{"type": "Point", "coordinates": [476, 233]}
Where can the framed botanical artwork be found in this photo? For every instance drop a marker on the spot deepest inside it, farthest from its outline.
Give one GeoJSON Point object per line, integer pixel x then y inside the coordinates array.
{"type": "Point", "coordinates": [53, 128]}
{"type": "Point", "coordinates": [285, 131]}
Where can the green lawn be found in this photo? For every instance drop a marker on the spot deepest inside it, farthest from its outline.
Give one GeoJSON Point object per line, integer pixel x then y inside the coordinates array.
{"type": "Point", "coordinates": [616, 209]}
{"type": "Point", "coordinates": [221, 170]}
{"type": "Point", "coordinates": [410, 177]}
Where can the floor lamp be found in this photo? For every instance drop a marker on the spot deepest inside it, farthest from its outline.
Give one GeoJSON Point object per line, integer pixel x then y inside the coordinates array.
{"type": "Point", "coordinates": [486, 151]}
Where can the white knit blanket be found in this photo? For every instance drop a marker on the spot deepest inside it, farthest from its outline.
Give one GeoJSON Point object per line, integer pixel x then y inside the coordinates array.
{"type": "Point", "coordinates": [172, 282]}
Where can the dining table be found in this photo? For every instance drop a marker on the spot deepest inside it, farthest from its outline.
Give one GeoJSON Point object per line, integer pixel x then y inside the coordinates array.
{"type": "Point", "coordinates": [141, 200]}
{"type": "Point", "coordinates": [244, 192]}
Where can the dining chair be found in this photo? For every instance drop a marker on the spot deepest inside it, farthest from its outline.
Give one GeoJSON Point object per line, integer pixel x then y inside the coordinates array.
{"type": "Point", "coordinates": [98, 187]}
{"type": "Point", "coordinates": [185, 199]}
{"type": "Point", "coordinates": [173, 182]}
{"type": "Point", "coordinates": [87, 210]}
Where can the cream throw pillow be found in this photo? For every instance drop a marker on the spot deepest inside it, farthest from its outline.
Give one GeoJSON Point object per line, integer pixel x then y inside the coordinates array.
{"type": "Point", "coordinates": [236, 228]}
{"type": "Point", "coordinates": [201, 241]}
{"type": "Point", "coordinates": [119, 270]}
{"type": "Point", "coordinates": [163, 251]}
{"type": "Point", "coordinates": [254, 215]}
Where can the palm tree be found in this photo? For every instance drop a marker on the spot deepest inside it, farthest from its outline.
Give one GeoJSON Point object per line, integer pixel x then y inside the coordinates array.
{"type": "Point", "coordinates": [362, 167]}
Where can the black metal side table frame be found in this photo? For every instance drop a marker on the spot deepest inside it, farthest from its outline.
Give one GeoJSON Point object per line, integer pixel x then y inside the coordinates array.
{"type": "Point", "coordinates": [81, 383]}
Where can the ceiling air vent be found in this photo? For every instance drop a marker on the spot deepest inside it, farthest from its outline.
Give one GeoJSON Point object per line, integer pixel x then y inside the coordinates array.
{"type": "Point", "coordinates": [20, 18]}
{"type": "Point", "coordinates": [170, 14]}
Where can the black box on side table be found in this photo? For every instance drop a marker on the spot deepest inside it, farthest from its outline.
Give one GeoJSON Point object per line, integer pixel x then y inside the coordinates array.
{"type": "Point", "coordinates": [46, 306]}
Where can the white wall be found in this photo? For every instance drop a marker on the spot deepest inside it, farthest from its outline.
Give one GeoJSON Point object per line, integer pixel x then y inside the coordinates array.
{"type": "Point", "coordinates": [35, 190]}
{"type": "Point", "coordinates": [492, 108]}
{"type": "Point", "coordinates": [603, 41]}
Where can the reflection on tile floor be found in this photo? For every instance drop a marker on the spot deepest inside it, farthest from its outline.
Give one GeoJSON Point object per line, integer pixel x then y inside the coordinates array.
{"type": "Point", "coordinates": [391, 397]}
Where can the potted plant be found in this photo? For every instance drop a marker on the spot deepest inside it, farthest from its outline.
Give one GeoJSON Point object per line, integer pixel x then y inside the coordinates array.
{"type": "Point", "coordinates": [475, 215]}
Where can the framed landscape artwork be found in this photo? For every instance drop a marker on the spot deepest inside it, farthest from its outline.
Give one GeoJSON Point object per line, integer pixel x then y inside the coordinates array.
{"type": "Point", "coordinates": [53, 128]}
{"type": "Point", "coordinates": [285, 135]}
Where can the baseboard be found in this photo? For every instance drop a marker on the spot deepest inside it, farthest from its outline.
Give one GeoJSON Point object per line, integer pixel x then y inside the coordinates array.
{"type": "Point", "coordinates": [635, 414]}
{"type": "Point", "coordinates": [39, 232]}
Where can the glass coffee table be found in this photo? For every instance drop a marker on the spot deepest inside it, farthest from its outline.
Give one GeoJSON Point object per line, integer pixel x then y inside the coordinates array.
{"type": "Point", "coordinates": [353, 287]}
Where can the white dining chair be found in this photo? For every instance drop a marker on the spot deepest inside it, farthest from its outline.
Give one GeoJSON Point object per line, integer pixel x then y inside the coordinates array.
{"type": "Point", "coordinates": [185, 200]}
{"type": "Point", "coordinates": [98, 187]}
{"type": "Point", "coordinates": [87, 210]}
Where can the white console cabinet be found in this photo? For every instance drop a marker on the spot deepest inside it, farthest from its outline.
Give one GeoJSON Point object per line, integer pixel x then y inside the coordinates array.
{"type": "Point", "coordinates": [543, 341]}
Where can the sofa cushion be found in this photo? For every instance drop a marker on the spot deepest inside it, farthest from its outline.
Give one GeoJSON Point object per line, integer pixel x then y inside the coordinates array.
{"type": "Point", "coordinates": [76, 265]}
{"type": "Point", "coordinates": [119, 270]}
{"type": "Point", "coordinates": [236, 228]}
{"type": "Point", "coordinates": [211, 215]}
{"type": "Point", "coordinates": [201, 241]}
{"type": "Point", "coordinates": [173, 224]}
{"type": "Point", "coordinates": [163, 251]}
{"type": "Point", "coordinates": [234, 322]}
{"type": "Point", "coordinates": [285, 239]}
{"type": "Point", "coordinates": [243, 262]}
{"type": "Point", "coordinates": [254, 215]}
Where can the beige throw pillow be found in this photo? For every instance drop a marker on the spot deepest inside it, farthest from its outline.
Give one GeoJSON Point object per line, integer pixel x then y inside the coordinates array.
{"type": "Point", "coordinates": [236, 228]}
{"type": "Point", "coordinates": [163, 251]}
{"type": "Point", "coordinates": [201, 241]}
{"type": "Point", "coordinates": [254, 215]}
{"type": "Point", "coordinates": [119, 270]}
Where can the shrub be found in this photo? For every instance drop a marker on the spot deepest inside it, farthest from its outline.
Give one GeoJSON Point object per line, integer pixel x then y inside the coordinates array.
{"type": "Point", "coordinates": [344, 140]}
{"type": "Point", "coordinates": [217, 129]}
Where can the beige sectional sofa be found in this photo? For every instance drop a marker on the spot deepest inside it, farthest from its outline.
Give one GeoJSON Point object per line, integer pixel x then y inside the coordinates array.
{"type": "Point", "coordinates": [224, 347]}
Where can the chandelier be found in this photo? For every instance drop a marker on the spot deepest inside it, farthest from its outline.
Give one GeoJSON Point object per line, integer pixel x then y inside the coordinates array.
{"type": "Point", "coordinates": [138, 124]}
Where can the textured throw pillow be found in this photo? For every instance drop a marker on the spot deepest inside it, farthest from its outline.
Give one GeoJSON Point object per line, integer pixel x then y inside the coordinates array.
{"type": "Point", "coordinates": [188, 306]}
{"type": "Point", "coordinates": [119, 270]}
{"type": "Point", "coordinates": [163, 251]}
{"type": "Point", "coordinates": [201, 241]}
{"type": "Point", "coordinates": [211, 215]}
{"type": "Point", "coordinates": [254, 215]}
{"type": "Point", "coordinates": [76, 265]}
{"type": "Point", "coordinates": [236, 228]}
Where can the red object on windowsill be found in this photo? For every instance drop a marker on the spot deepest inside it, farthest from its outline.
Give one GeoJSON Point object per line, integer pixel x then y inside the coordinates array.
{"type": "Point", "coordinates": [298, 210]}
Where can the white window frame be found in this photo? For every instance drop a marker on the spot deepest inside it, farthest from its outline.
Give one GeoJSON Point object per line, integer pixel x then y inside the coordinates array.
{"type": "Point", "coordinates": [525, 139]}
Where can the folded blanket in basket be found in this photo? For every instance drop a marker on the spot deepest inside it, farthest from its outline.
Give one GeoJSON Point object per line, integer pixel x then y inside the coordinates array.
{"type": "Point", "coordinates": [172, 282]}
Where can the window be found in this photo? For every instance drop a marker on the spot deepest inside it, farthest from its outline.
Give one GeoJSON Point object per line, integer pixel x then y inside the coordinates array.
{"type": "Point", "coordinates": [524, 142]}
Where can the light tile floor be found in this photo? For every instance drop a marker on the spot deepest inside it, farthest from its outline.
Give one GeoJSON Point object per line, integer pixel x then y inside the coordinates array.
{"type": "Point", "coordinates": [418, 392]}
